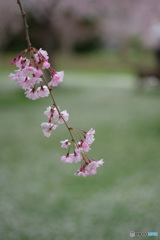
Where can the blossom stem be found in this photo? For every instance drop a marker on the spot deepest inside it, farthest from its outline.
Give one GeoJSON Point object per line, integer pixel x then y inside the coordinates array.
{"type": "Point", "coordinates": [77, 133]}
{"type": "Point", "coordinates": [89, 158]}
{"type": "Point", "coordinates": [25, 23]}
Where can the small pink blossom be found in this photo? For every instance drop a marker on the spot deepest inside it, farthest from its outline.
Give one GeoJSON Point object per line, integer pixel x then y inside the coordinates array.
{"type": "Point", "coordinates": [90, 136]}
{"type": "Point", "coordinates": [89, 168]}
{"type": "Point", "coordinates": [48, 112]}
{"type": "Point", "coordinates": [56, 79]}
{"type": "Point", "coordinates": [42, 91]}
{"type": "Point", "coordinates": [49, 126]}
{"type": "Point", "coordinates": [32, 94]}
{"type": "Point", "coordinates": [45, 65]}
{"type": "Point", "coordinates": [85, 146]}
{"type": "Point", "coordinates": [47, 132]}
{"type": "Point", "coordinates": [12, 76]}
{"type": "Point", "coordinates": [81, 173]}
{"type": "Point", "coordinates": [84, 173]}
{"type": "Point", "coordinates": [67, 159]}
{"type": "Point", "coordinates": [92, 172]}
{"type": "Point", "coordinates": [100, 162]}
{"type": "Point", "coordinates": [35, 80]}
{"type": "Point", "coordinates": [65, 143]}
{"type": "Point", "coordinates": [38, 72]}
{"type": "Point", "coordinates": [22, 62]}
{"type": "Point", "coordinates": [65, 115]}
{"type": "Point", "coordinates": [77, 156]}
{"type": "Point", "coordinates": [41, 55]}
{"type": "Point", "coordinates": [18, 77]}
{"type": "Point", "coordinates": [28, 70]}
{"type": "Point", "coordinates": [13, 61]}
{"type": "Point", "coordinates": [94, 164]}
{"type": "Point", "coordinates": [52, 113]}
{"type": "Point", "coordinates": [26, 84]}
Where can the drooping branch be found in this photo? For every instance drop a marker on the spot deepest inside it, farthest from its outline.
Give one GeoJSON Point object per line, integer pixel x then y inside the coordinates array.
{"type": "Point", "coordinates": [30, 62]}
{"type": "Point", "coordinates": [25, 23]}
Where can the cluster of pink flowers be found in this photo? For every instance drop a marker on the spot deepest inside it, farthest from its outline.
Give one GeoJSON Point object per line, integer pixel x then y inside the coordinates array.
{"type": "Point", "coordinates": [31, 63]}
{"type": "Point", "coordinates": [53, 113]}
{"type": "Point", "coordinates": [88, 164]}
{"type": "Point", "coordinates": [29, 75]}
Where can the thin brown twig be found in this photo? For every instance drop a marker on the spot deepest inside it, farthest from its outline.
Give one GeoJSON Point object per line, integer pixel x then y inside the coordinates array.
{"type": "Point", "coordinates": [25, 23]}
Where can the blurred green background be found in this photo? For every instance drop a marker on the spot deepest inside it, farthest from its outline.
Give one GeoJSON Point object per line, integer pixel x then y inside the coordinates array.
{"type": "Point", "coordinates": [40, 198]}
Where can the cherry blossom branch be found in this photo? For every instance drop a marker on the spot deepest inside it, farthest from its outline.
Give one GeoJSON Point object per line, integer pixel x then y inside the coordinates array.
{"type": "Point", "coordinates": [31, 63]}
{"type": "Point", "coordinates": [25, 23]}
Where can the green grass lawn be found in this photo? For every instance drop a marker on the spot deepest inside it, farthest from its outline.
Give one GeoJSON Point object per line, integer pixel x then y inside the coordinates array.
{"type": "Point", "coordinates": [41, 199]}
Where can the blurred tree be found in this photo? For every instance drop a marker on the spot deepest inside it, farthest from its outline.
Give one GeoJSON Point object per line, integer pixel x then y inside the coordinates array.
{"type": "Point", "coordinates": [66, 24]}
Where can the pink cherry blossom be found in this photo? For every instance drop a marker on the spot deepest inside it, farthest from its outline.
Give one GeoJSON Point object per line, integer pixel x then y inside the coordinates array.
{"type": "Point", "coordinates": [100, 162]}
{"type": "Point", "coordinates": [92, 172]}
{"type": "Point", "coordinates": [18, 77]}
{"type": "Point", "coordinates": [90, 136]}
{"type": "Point", "coordinates": [56, 115]}
{"type": "Point", "coordinates": [45, 65]}
{"type": "Point", "coordinates": [49, 126]}
{"type": "Point", "coordinates": [38, 73]}
{"type": "Point", "coordinates": [81, 173]}
{"type": "Point", "coordinates": [56, 79]}
{"type": "Point", "coordinates": [65, 143]}
{"type": "Point", "coordinates": [32, 94]}
{"type": "Point", "coordinates": [65, 115]}
{"type": "Point", "coordinates": [12, 76]}
{"type": "Point", "coordinates": [26, 84]}
{"type": "Point", "coordinates": [52, 113]}
{"type": "Point", "coordinates": [77, 156]}
{"type": "Point", "coordinates": [41, 55]}
{"type": "Point", "coordinates": [89, 168]}
{"type": "Point", "coordinates": [78, 147]}
{"type": "Point", "coordinates": [85, 146]}
{"type": "Point", "coordinates": [42, 91]}
{"type": "Point", "coordinates": [94, 164]}
{"type": "Point", "coordinates": [67, 159]}
{"type": "Point", "coordinates": [35, 80]}
{"type": "Point", "coordinates": [22, 62]}
{"type": "Point", "coordinates": [47, 132]}
{"type": "Point", "coordinates": [28, 70]}
{"type": "Point", "coordinates": [48, 112]}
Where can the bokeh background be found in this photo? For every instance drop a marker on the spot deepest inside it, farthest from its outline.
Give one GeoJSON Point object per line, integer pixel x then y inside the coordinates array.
{"type": "Point", "coordinates": [110, 52]}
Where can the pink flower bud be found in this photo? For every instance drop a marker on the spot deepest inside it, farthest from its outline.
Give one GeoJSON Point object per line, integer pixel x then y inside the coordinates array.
{"type": "Point", "coordinates": [13, 61]}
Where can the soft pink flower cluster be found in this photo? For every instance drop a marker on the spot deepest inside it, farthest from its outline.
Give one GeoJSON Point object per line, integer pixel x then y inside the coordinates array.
{"type": "Point", "coordinates": [29, 74]}
{"type": "Point", "coordinates": [31, 63]}
{"type": "Point", "coordinates": [53, 113]}
{"type": "Point", "coordinates": [88, 164]}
